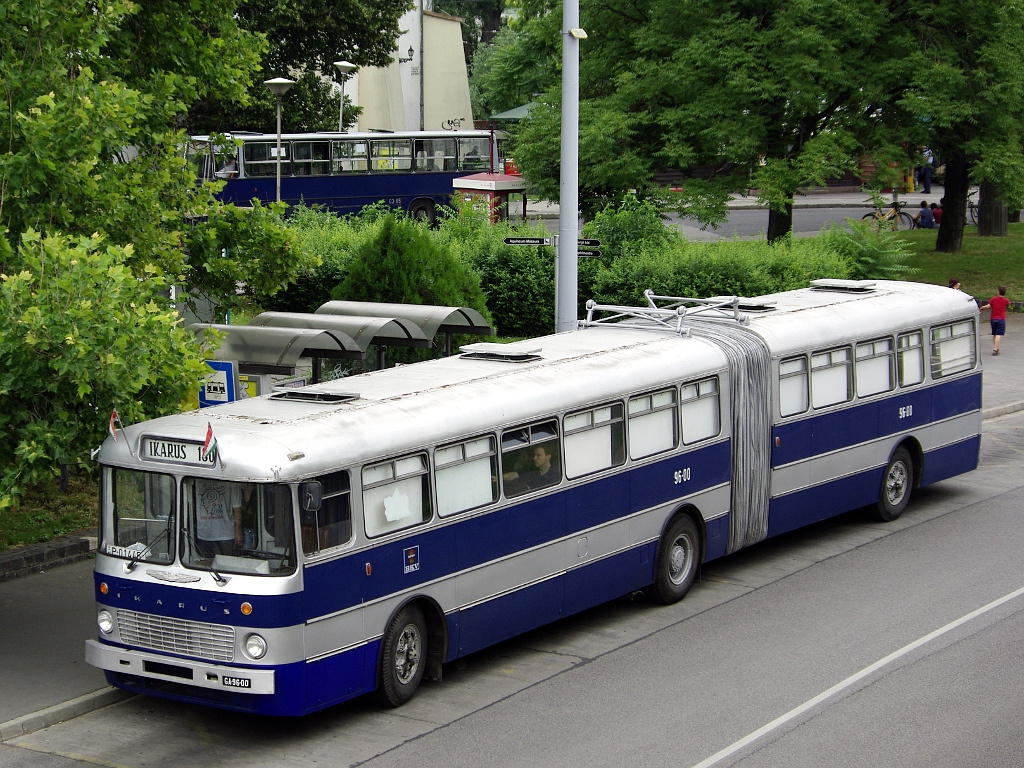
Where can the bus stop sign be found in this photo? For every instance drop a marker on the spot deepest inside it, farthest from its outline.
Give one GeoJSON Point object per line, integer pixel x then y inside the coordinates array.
{"type": "Point", "coordinates": [219, 386]}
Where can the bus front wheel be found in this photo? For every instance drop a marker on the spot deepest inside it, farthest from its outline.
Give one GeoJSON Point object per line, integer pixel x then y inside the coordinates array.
{"type": "Point", "coordinates": [423, 210]}
{"type": "Point", "coordinates": [403, 657]}
{"type": "Point", "coordinates": [675, 567]}
{"type": "Point", "coordinates": [897, 483]}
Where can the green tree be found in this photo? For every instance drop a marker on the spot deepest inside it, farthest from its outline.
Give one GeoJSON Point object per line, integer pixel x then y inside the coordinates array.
{"type": "Point", "coordinates": [80, 335]}
{"type": "Point", "coordinates": [966, 90]}
{"type": "Point", "coordinates": [774, 95]}
{"type": "Point", "coordinates": [400, 263]}
{"type": "Point", "coordinates": [304, 38]}
{"type": "Point", "coordinates": [91, 161]}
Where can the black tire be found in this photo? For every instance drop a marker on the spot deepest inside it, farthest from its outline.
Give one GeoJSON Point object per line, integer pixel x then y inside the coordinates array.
{"type": "Point", "coordinates": [906, 221]}
{"type": "Point", "coordinates": [403, 657]}
{"type": "Point", "coordinates": [897, 484]}
{"type": "Point", "coordinates": [424, 210]}
{"type": "Point", "coordinates": [676, 564]}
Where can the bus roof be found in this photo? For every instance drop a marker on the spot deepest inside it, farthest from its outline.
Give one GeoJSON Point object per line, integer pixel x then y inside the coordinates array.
{"type": "Point", "coordinates": [364, 135]}
{"type": "Point", "coordinates": [381, 413]}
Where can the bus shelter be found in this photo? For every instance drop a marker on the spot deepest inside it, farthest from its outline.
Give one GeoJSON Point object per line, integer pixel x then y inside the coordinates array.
{"type": "Point", "coordinates": [430, 318]}
{"type": "Point", "coordinates": [504, 194]}
{"type": "Point", "coordinates": [274, 343]}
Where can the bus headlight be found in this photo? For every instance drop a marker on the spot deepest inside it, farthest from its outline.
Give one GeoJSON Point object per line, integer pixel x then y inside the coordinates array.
{"type": "Point", "coordinates": [105, 622]}
{"type": "Point", "coordinates": [255, 646]}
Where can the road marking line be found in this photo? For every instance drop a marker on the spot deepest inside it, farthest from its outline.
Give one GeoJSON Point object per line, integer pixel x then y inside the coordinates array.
{"type": "Point", "coordinates": [851, 680]}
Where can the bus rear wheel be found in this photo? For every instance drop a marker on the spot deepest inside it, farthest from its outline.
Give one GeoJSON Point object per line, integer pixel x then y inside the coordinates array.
{"type": "Point", "coordinates": [424, 210]}
{"type": "Point", "coordinates": [675, 567]}
{"type": "Point", "coordinates": [403, 657]}
{"type": "Point", "coordinates": [897, 483]}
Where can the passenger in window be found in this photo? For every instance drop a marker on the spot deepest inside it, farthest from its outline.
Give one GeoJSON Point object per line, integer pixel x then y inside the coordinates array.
{"type": "Point", "coordinates": [545, 470]}
{"type": "Point", "coordinates": [229, 170]}
{"type": "Point", "coordinates": [244, 512]}
{"type": "Point", "coordinates": [218, 527]}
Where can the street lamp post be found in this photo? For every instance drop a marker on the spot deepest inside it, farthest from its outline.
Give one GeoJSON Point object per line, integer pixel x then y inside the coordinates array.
{"type": "Point", "coordinates": [279, 86]}
{"type": "Point", "coordinates": [345, 68]}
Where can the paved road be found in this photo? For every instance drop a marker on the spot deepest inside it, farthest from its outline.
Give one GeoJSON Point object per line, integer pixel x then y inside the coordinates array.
{"type": "Point", "coordinates": [764, 634]}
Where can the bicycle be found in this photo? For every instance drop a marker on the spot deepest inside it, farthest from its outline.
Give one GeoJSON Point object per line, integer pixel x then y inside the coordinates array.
{"type": "Point", "coordinates": [972, 207]}
{"type": "Point", "coordinates": [893, 217]}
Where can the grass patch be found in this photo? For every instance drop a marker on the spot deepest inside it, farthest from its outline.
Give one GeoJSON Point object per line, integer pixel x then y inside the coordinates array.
{"type": "Point", "coordinates": [982, 265]}
{"type": "Point", "coordinates": [46, 513]}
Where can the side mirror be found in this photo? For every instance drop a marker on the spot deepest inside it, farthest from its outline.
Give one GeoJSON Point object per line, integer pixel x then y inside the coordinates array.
{"type": "Point", "coordinates": [310, 495]}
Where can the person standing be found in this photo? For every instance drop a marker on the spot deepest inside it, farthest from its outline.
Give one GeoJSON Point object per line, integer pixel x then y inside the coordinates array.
{"type": "Point", "coordinates": [998, 304]}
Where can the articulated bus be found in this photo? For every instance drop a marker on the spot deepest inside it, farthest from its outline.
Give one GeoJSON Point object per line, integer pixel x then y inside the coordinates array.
{"type": "Point", "coordinates": [344, 172]}
{"type": "Point", "coordinates": [384, 524]}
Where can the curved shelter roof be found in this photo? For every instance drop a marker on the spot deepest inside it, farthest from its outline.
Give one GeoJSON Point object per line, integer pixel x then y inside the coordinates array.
{"type": "Point", "coordinates": [430, 318]}
{"type": "Point", "coordinates": [364, 330]}
{"type": "Point", "coordinates": [272, 349]}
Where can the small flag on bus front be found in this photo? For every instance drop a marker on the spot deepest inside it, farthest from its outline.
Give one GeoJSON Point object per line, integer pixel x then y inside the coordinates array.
{"type": "Point", "coordinates": [209, 445]}
{"type": "Point", "coordinates": [113, 421]}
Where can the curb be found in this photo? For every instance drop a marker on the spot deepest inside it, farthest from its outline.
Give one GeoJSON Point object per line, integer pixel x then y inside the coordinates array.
{"type": "Point", "coordinates": [31, 558]}
{"type": "Point", "coordinates": [35, 721]}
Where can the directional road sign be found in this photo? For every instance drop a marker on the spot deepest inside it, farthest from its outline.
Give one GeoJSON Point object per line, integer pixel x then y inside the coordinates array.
{"type": "Point", "coordinates": [588, 253]}
{"type": "Point", "coordinates": [586, 243]}
{"type": "Point", "coordinates": [527, 241]}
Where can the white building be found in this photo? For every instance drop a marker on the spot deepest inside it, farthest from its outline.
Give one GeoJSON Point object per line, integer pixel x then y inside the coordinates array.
{"type": "Point", "coordinates": [425, 87]}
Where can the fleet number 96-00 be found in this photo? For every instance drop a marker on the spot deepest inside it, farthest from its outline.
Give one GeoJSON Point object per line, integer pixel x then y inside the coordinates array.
{"type": "Point", "coordinates": [681, 475]}
{"type": "Point", "coordinates": [906, 411]}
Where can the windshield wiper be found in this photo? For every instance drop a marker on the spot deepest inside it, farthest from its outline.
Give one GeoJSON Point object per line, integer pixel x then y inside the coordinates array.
{"type": "Point", "coordinates": [149, 547]}
{"type": "Point", "coordinates": [192, 564]}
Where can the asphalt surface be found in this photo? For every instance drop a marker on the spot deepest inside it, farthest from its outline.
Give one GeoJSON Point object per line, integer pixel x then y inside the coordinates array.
{"type": "Point", "coordinates": [47, 614]}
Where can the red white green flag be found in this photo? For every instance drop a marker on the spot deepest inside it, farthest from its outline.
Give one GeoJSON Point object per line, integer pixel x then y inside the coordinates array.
{"type": "Point", "coordinates": [209, 445]}
{"type": "Point", "coordinates": [114, 420]}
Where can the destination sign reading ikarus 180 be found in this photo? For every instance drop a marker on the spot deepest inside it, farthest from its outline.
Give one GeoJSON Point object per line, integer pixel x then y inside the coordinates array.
{"type": "Point", "coordinates": [176, 452]}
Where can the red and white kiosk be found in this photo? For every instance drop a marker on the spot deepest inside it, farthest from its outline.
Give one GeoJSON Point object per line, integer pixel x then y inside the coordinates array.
{"type": "Point", "coordinates": [503, 193]}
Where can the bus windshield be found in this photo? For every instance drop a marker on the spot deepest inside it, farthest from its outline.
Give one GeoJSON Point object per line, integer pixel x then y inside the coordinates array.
{"type": "Point", "coordinates": [141, 522]}
{"type": "Point", "coordinates": [237, 527]}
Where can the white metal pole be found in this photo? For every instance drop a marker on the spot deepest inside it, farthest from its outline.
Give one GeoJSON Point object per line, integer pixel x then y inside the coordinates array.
{"type": "Point", "coordinates": [341, 107]}
{"type": "Point", "coordinates": [567, 253]}
{"type": "Point", "coordinates": [279, 148]}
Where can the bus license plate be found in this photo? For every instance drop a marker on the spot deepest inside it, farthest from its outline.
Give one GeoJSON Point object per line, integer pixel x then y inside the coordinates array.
{"type": "Point", "coordinates": [237, 682]}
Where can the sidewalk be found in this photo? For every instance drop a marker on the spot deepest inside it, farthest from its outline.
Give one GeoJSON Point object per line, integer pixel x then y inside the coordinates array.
{"type": "Point", "coordinates": [48, 614]}
{"type": "Point", "coordinates": [817, 197]}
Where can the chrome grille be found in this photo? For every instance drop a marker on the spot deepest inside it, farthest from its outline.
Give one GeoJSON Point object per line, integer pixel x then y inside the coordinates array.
{"type": "Point", "coordinates": [187, 638]}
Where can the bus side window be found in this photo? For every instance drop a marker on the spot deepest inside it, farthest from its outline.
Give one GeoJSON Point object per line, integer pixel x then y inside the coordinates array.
{"type": "Point", "coordinates": [594, 440]}
{"type": "Point", "coordinates": [331, 525]}
{"type": "Point", "coordinates": [653, 423]}
{"type": "Point", "coordinates": [530, 458]}
{"type": "Point", "coordinates": [953, 348]}
{"type": "Point", "coordinates": [701, 410]}
{"type": "Point", "coordinates": [874, 367]}
{"type": "Point", "coordinates": [793, 386]}
{"type": "Point", "coordinates": [466, 475]}
{"type": "Point", "coordinates": [831, 377]}
{"type": "Point", "coordinates": [910, 358]}
{"type": "Point", "coordinates": [396, 494]}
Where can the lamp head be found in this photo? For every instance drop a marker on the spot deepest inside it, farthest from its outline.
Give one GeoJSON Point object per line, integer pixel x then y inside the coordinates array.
{"type": "Point", "coordinates": [279, 85]}
{"type": "Point", "coordinates": [345, 68]}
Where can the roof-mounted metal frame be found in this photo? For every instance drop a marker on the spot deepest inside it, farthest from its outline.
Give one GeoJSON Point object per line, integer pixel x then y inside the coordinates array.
{"type": "Point", "coordinates": [668, 313]}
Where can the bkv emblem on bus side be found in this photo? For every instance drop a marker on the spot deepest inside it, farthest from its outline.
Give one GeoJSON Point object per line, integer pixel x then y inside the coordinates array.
{"type": "Point", "coordinates": [412, 559]}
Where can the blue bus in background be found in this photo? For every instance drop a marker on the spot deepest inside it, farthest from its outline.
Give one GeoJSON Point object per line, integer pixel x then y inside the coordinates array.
{"type": "Point", "coordinates": [344, 172]}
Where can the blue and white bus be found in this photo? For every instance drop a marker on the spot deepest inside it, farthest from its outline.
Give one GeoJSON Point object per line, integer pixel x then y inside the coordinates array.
{"type": "Point", "coordinates": [373, 528]}
{"type": "Point", "coordinates": [344, 172]}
